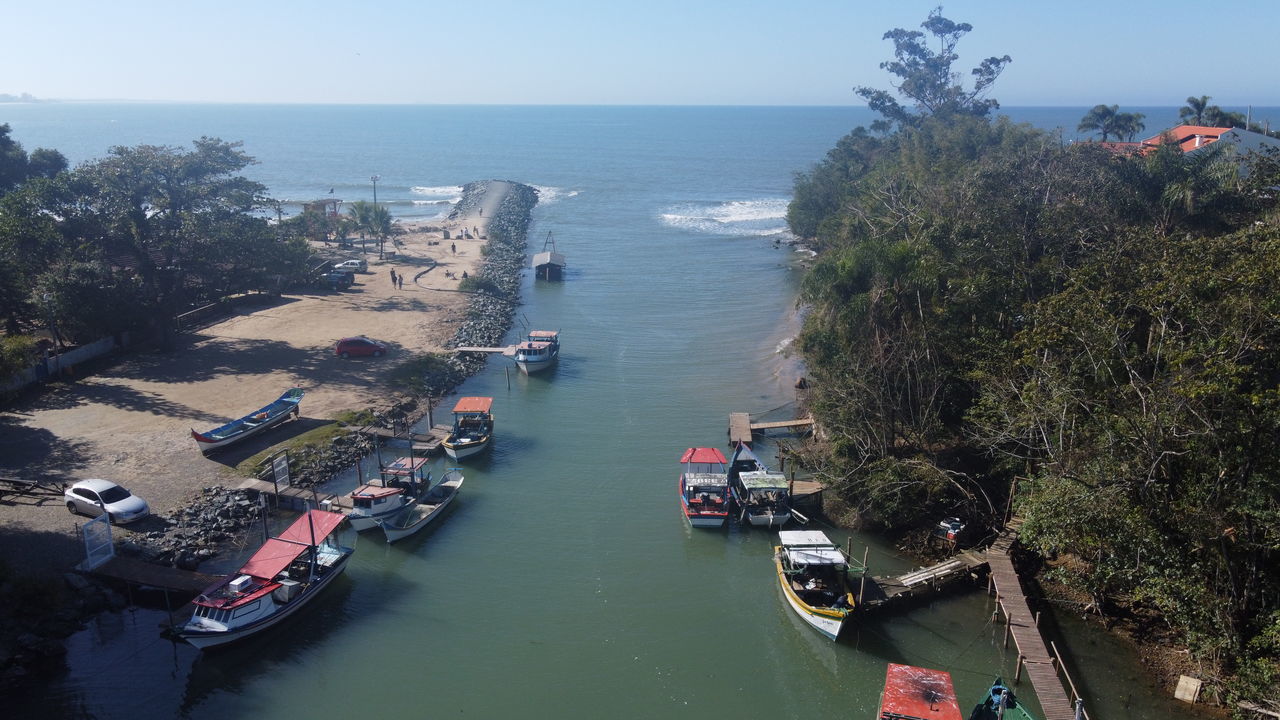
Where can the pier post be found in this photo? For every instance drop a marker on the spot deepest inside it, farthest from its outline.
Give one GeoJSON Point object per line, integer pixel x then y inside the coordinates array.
{"type": "Point", "coordinates": [430, 422]}
{"type": "Point", "coordinates": [1006, 634]}
{"type": "Point", "coordinates": [862, 583]}
{"type": "Point", "coordinates": [1017, 670]}
{"type": "Point", "coordinates": [507, 372]}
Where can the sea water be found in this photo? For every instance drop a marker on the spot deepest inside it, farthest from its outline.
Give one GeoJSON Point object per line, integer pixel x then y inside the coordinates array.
{"type": "Point", "coordinates": [564, 582]}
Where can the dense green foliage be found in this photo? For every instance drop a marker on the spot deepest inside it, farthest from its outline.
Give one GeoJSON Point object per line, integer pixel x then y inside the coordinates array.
{"type": "Point", "coordinates": [1107, 120]}
{"type": "Point", "coordinates": [988, 303]}
{"type": "Point", "coordinates": [133, 239]}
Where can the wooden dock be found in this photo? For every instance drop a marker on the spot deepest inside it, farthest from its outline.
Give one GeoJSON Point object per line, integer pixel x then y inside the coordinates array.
{"type": "Point", "coordinates": [741, 427]}
{"type": "Point", "coordinates": [428, 442]}
{"type": "Point", "coordinates": [509, 350]}
{"type": "Point", "coordinates": [144, 574]}
{"type": "Point", "coordinates": [1057, 702]}
{"type": "Point", "coordinates": [881, 591]}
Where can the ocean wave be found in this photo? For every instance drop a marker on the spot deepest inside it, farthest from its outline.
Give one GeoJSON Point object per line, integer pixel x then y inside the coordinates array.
{"type": "Point", "coordinates": [548, 195]}
{"type": "Point", "coordinates": [443, 193]}
{"type": "Point", "coordinates": [764, 216]}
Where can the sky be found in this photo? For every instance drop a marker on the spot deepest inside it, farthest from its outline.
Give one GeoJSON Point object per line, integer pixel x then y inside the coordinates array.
{"type": "Point", "coordinates": [622, 52]}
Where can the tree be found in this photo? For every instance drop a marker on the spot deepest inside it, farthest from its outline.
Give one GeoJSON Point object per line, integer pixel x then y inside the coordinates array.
{"type": "Point", "coordinates": [1108, 120]}
{"type": "Point", "coordinates": [1194, 110]}
{"type": "Point", "coordinates": [16, 167]}
{"type": "Point", "coordinates": [926, 77]}
{"type": "Point", "coordinates": [1129, 124]}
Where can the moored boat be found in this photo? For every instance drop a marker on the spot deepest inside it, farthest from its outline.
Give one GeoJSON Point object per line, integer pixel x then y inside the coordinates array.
{"type": "Point", "coordinates": [401, 484]}
{"type": "Point", "coordinates": [251, 424]}
{"type": "Point", "coordinates": [1000, 704]}
{"type": "Point", "coordinates": [704, 487]}
{"type": "Point", "coordinates": [428, 507]}
{"type": "Point", "coordinates": [282, 576]}
{"type": "Point", "coordinates": [762, 496]}
{"type": "Point", "coordinates": [916, 693]}
{"type": "Point", "coordinates": [472, 427]}
{"type": "Point", "coordinates": [539, 351]}
{"type": "Point", "coordinates": [815, 578]}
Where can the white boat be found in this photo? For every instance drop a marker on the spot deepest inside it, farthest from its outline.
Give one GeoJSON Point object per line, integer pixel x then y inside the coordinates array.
{"type": "Point", "coordinates": [282, 576]}
{"type": "Point", "coordinates": [704, 487]}
{"type": "Point", "coordinates": [762, 496]}
{"type": "Point", "coordinates": [429, 507]}
{"type": "Point", "coordinates": [815, 578]}
{"type": "Point", "coordinates": [472, 427]}
{"type": "Point", "coordinates": [402, 482]}
{"type": "Point", "coordinates": [539, 351]}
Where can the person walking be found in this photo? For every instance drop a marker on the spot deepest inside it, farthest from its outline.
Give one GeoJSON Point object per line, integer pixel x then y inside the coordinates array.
{"type": "Point", "coordinates": [393, 278]}
{"type": "Point", "coordinates": [401, 281]}
{"type": "Point", "coordinates": [453, 248]}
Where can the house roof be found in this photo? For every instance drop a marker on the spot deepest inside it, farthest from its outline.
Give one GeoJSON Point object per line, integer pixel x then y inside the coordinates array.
{"type": "Point", "coordinates": [1187, 137]}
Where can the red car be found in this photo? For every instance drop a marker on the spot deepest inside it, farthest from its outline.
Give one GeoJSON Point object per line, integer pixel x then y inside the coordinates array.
{"type": "Point", "coordinates": [359, 345]}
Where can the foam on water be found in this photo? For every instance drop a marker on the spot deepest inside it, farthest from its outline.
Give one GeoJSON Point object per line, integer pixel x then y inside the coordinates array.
{"type": "Point", "coordinates": [763, 216]}
{"type": "Point", "coordinates": [548, 195]}
{"type": "Point", "coordinates": [439, 193]}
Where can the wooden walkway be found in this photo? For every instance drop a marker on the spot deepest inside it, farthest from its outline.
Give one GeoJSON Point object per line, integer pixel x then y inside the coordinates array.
{"type": "Point", "coordinates": [1055, 700]}
{"type": "Point", "coordinates": [509, 350]}
{"type": "Point", "coordinates": [741, 427]}
{"type": "Point", "coordinates": [881, 591]}
{"type": "Point", "coordinates": [428, 442]}
{"type": "Point", "coordinates": [142, 573]}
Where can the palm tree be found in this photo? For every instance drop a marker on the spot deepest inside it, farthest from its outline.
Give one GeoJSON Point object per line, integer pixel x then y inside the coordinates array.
{"type": "Point", "coordinates": [1194, 108]}
{"type": "Point", "coordinates": [1102, 118]}
{"type": "Point", "coordinates": [1128, 124]}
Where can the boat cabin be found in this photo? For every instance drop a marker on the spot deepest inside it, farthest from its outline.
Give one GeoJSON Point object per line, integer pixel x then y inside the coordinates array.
{"type": "Point", "coordinates": [471, 417]}
{"type": "Point", "coordinates": [916, 693]}
{"type": "Point", "coordinates": [764, 489]}
{"type": "Point", "coordinates": [705, 481]}
{"type": "Point", "coordinates": [816, 570]}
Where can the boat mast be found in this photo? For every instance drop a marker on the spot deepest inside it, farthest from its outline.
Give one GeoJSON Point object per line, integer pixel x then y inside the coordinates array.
{"type": "Point", "coordinates": [314, 555]}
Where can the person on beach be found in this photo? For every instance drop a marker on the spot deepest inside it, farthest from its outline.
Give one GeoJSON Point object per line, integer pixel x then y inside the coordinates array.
{"type": "Point", "coordinates": [453, 248]}
{"type": "Point", "coordinates": [393, 278]}
{"type": "Point", "coordinates": [400, 280]}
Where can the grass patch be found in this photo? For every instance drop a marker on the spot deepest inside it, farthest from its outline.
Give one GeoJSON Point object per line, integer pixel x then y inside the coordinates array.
{"type": "Point", "coordinates": [357, 418]}
{"type": "Point", "coordinates": [318, 437]}
{"type": "Point", "coordinates": [477, 284]}
{"type": "Point", "coordinates": [424, 374]}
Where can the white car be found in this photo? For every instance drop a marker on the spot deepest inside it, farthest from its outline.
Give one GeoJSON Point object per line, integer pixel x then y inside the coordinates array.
{"type": "Point", "coordinates": [95, 497]}
{"type": "Point", "coordinates": [352, 266]}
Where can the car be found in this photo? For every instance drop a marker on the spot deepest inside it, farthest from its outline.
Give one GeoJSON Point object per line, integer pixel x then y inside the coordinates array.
{"type": "Point", "coordinates": [95, 496]}
{"type": "Point", "coordinates": [338, 279]}
{"type": "Point", "coordinates": [357, 265]}
{"type": "Point", "coordinates": [359, 345]}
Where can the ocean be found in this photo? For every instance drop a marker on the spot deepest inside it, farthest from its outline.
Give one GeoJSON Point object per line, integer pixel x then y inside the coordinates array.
{"type": "Point", "coordinates": [565, 582]}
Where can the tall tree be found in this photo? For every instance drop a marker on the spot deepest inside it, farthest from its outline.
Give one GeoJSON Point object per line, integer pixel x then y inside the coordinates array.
{"type": "Point", "coordinates": [1194, 110]}
{"type": "Point", "coordinates": [926, 77]}
{"type": "Point", "coordinates": [1107, 120]}
{"type": "Point", "coordinates": [16, 167]}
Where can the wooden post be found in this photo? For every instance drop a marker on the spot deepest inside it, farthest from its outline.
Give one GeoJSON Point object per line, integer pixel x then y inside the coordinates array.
{"type": "Point", "coordinates": [430, 423]}
{"type": "Point", "coordinates": [1037, 619]}
{"type": "Point", "coordinates": [862, 584]}
{"type": "Point", "coordinates": [1006, 634]}
{"type": "Point", "coordinates": [507, 372]}
{"type": "Point", "coordinates": [1017, 670]}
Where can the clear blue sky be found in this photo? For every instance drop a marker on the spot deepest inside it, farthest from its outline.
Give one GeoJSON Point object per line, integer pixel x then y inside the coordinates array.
{"type": "Point", "coordinates": [719, 52]}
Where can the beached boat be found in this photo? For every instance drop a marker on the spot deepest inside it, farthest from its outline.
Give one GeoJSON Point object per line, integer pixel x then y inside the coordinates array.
{"type": "Point", "coordinates": [472, 427]}
{"type": "Point", "coordinates": [429, 507]}
{"type": "Point", "coordinates": [916, 693]}
{"type": "Point", "coordinates": [251, 424]}
{"type": "Point", "coordinates": [539, 351]}
{"type": "Point", "coordinates": [401, 484]}
{"type": "Point", "coordinates": [762, 495]}
{"type": "Point", "coordinates": [1000, 704]}
{"type": "Point", "coordinates": [704, 487]}
{"type": "Point", "coordinates": [815, 577]}
{"type": "Point", "coordinates": [282, 576]}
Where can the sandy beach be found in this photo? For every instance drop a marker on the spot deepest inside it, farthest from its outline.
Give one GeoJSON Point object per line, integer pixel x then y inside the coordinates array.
{"type": "Point", "coordinates": [130, 422]}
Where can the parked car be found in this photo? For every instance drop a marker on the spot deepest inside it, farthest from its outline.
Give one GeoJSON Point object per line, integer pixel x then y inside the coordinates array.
{"type": "Point", "coordinates": [357, 265]}
{"type": "Point", "coordinates": [359, 345]}
{"type": "Point", "coordinates": [95, 496]}
{"type": "Point", "coordinates": [338, 279]}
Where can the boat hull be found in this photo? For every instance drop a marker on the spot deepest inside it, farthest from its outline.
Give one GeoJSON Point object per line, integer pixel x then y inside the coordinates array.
{"type": "Point", "coordinates": [532, 366]}
{"type": "Point", "coordinates": [768, 520]}
{"type": "Point", "coordinates": [394, 532]}
{"type": "Point", "coordinates": [458, 451]}
{"type": "Point", "coordinates": [275, 413]}
{"type": "Point", "coordinates": [208, 639]}
{"type": "Point", "coordinates": [706, 521]}
{"type": "Point", "coordinates": [360, 523]}
{"type": "Point", "coordinates": [827, 622]}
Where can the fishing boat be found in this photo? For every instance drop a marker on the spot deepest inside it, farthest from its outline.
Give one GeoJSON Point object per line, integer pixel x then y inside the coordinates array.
{"type": "Point", "coordinates": [539, 351]}
{"type": "Point", "coordinates": [916, 693]}
{"type": "Point", "coordinates": [762, 495]}
{"type": "Point", "coordinates": [400, 485]}
{"type": "Point", "coordinates": [472, 427]}
{"type": "Point", "coordinates": [428, 507]}
{"type": "Point", "coordinates": [704, 487]}
{"type": "Point", "coordinates": [251, 424]}
{"type": "Point", "coordinates": [282, 576]}
{"type": "Point", "coordinates": [548, 264]}
{"type": "Point", "coordinates": [815, 577]}
{"type": "Point", "coordinates": [1000, 704]}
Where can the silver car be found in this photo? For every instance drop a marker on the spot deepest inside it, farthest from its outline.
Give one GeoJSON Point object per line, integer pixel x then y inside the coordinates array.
{"type": "Point", "coordinates": [95, 497]}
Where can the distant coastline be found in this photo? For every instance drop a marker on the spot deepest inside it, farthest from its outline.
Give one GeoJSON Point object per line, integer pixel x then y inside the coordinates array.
{"type": "Point", "coordinates": [23, 98]}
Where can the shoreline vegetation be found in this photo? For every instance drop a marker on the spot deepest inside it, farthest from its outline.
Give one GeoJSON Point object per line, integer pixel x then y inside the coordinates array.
{"type": "Point", "coordinates": [1084, 335]}
{"type": "Point", "coordinates": [206, 513]}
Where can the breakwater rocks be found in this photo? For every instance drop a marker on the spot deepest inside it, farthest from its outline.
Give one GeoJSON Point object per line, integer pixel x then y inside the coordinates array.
{"type": "Point", "coordinates": [493, 303]}
{"type": "Point", "coordinates": [197, 532]}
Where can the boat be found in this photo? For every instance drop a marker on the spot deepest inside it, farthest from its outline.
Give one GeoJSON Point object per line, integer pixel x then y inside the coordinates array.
{"type": "Point", "coordinates": [1000, 704]}
{"type": "Point", "coordinates": [281, 577]}
{"type": "Point", "coordinates": [401, 484]}
{"type": "Point", "coordinates": [428, 507]}
{"type": "Point", "coordinates": [815, 577]}
{"type": "Point", "coordinates": [251, 424]}
{"type": "Point", "coordinates": [762, 495]}
{"type": "Point", "coordinates": [548, 264]}
{"type": "Point", "coordinates": [916, 693]}
{"type": "Point", "coordinates": [472, 427]}
{"type": "Point", "coordinates": [539, 351]}
{"type": "Point", "coordinates": [704, 487]}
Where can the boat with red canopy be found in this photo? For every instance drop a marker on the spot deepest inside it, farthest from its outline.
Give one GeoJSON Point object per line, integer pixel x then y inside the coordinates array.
{"type": "Point", "coordinates": [704, 487]}
{"type": "Point", "coordinates": [472, 427]}
{"type": "Point", "coordinates": [282, 576]}
{"type": "Point", "coordinates": [916, 693]}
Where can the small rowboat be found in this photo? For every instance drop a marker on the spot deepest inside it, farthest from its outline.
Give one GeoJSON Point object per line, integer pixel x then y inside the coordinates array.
{"type": "Point", "coordinates": [251, 424]}
{"type": "Point", "coordinates": [429, 507]}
